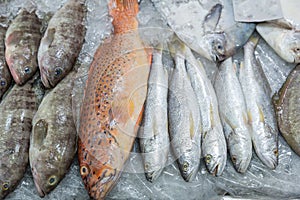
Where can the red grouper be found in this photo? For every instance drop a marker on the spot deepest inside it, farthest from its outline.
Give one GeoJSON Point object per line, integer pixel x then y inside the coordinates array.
{"type": "Point", "coordinates": [113, 103]}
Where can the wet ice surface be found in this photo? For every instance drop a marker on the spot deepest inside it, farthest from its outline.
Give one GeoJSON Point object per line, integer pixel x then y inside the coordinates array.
{"type": "Point", "coordinates": [258, 180]}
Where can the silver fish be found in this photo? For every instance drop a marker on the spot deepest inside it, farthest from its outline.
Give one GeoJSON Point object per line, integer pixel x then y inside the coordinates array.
{"type": "Point", "coordinates": [62, 42]}
{"type": "Point", "coordinates": [17, 110]}
{"type": "Point", "coordinates": [184, 117]}
{"type": "Point", "coordinates": [53, 139]}
{"type": "Point", "coordinates": [260, 111]}
{"type": "Point", "coordinates": [233, 114]}
{"type": "Point", "coordinates": [285, 42]}
{"type": "Point", "coordinates": [154, 135]}
{"type": "Point", "coordinates": [213, 140]}
{"type": "Point", "coordinates": [207, 27]}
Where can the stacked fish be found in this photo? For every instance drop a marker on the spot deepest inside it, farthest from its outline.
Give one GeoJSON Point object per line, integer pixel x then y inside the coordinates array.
{"type": "Point", "coordinates": [29, 117]}
{"type": "Point", "coordinates": [131, 92]}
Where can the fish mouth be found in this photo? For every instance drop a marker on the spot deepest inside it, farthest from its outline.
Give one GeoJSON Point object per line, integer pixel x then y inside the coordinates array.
{"type": "Point", "coordinates": [45, 80]}
{"type": "Point", "coordinates": [269, 160]}
{"type": "Point", "coordinates": [242, 166]}
{"type": "Point", "coordinates": [153, 175]}
{"type": "Point", "coordinates": [36, 181]}
{"type": "Point", "coordinates": [15, 76]}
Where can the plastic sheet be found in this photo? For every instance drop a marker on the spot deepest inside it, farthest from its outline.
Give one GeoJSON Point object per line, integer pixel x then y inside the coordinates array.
{"type": "Point", "coordinates": [256, 182]}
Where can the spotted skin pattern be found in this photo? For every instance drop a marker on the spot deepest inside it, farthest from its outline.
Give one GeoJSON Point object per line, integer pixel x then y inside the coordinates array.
{"type": "Point", "coordinates": [113, 103]}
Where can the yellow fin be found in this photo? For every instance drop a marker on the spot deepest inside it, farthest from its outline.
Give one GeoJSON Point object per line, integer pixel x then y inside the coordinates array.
{"type": "Point", "coordinates": [192, 129]}
{"type": "Point", "coordinates": [242, 64]}
{"type": "Point", "coordinates": [261, 114]}
{"type": "Point", "coordinates": [212, 119]}
{"type": "Point", "coordinates": [249, 117]}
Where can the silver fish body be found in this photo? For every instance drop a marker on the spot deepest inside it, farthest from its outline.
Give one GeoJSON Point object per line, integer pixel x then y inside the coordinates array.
{"type": "Point", "coordinates": [53, 139]}
{"type": "Point", "coordinates": [5, 76]}
{"type": "Point", "coordinates": [260, 111]}
{"type": "Point", "coordinates": [184, 118]}
{"type": "Point", "coordinates": [62, 42]}
{"type": "Point", "coordinates": [213, 140]}
{"type": "Point", "coordinates": [17, 111]}
{"type": "Point", "coordinates": [233, 114]}
{"type": "Point", "coordinates": [154, 135]}
{"type": "Point", "coordinates": [22, 42]}
{"type": "Point", "coordinates": [284, 41]}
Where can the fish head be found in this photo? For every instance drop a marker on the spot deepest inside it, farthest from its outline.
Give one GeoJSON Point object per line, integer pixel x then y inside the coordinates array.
{"type": "Point", "coordinates": [54, 67]}
{"type": "Point", "coordinates": [216, 44]}
{"type": "Point", "coordinates": [240, 147]}
{"type": "Point", "coordinates": [45, 173]}
{"type": "Point", "coordinates": [8, 180]}
{"type": "Point", "coordinates": [4, 84]}
{"type": "Point", "coordinates": [188, 167]}
{"type": "Point", "coordinates": [151, 176]}
{"type": "Point", "coordinates": [215, 164]}
{"type": "Point", "coordinates": [290, 47]}
{"type": "Point", "coordinates": [22, 68]}
{"type": "Point", "coordinates": [99, 177]}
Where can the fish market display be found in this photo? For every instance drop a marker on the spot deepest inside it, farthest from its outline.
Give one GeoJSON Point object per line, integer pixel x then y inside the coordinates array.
{"type": "Point", "coordinates": [287, 109]}
{"type": "Point", "coordinates": [260, 111]}
{"type": "Point", "coordinates": [62, 42]}
{"type": "Point", "coordinates": [113, 105]}
{"type": "Point", "coordinates": [184, 116]}
{"type": "Point", "coordinates": [22, 41]}
{"type": "Point", "coordinates": [17, 111]}
{"type": "Point", "coordinates": [213, 140]}
{"type": "Point", "coordinates": [53, 139]}
{"type": "Point", "coordinates": [285, 41]}
{"type": "Point", "coordinates": [207, 27]}
{"type": "Point", "coordinates": [153, 133]}
{"type": "Point", "coordinates": [233, 114]}
{"type": "Point", "coordinates": [5, 77]}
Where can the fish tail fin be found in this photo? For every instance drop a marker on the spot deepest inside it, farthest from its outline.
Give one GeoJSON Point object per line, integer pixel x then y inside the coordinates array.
{"type": "Point", "coordinates": [121, 7]}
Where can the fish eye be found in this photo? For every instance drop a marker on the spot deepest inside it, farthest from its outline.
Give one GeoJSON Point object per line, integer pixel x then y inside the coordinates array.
{"type": "Point", "coordinates": [185, 166]}
{"type": "Point", "coordinates": [52, 180]}
{"type": "Point", "coordinates": [296, 50]}
{"type": "Point", "coordinates": [2, 82]}
{"type": "Point", "coordinates": [233, 158]}
{"type": "Point", "coordinates": [27, 70]}
{"type": "Point", "coordinates": [275, 152]}
{"type": "Point", "coordinates": [208, 158]}
{"type": "Point", "coordinates": [58, 71]}
{"type": "Point", "coordinates": [84, 170]}
{"type": "Point", "coordinates": [5, 186]}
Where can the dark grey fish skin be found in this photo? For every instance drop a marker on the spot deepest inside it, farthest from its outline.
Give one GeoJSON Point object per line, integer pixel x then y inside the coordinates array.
{"type": "Point", "coordinates": [53, 139]}
{"type": "Point", "coordinates": [287, 105]}
{"type": "Point", "coordinates": [17, 111]}
{"type": "Point", "coordinates": [22, 41]}
{"type": "Point", "coordinates": [62, 42]}
{"type": "Point", "coordinates": [5, 77]}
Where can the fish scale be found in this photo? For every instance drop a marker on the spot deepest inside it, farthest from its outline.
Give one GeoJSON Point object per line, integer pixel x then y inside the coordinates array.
{"type": "Point", "coordinates": [22, 41]}
{"type": "Point", "coordinates": [5, 77]}
{"type": "Point", "coordinates": [114, 96]}
{"type": "Point", "coordinates": [17, 111]}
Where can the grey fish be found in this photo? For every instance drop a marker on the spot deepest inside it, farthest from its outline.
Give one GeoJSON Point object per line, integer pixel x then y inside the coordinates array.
{"type": "Point", "coordinates": [154, 135]}
{"type": "Point", "coordinates": [22, 41]}
{"type": "Point", "coordinates": [213, 140]}
{"type": "Point", "coordinates": [209, 27]}
{"type": "Point", "coordinates": [62, 42]}
{"type": "Point", "coordinates": [184, 117]}
{"type": "Point", "coordinates": [17, 111]}
{"type": "Point", "coordinates": [285, 42]}
{"type": "Point", "coordinates": [287, 104]}
{"type": "Point", "coordinates": [53, 139]}
{"type": "Point", "coordinates": [5, 76]}
{"type": "Point", "coordinates": [233, 115]}
{"type": "Point", "coordinates": [260, 111]}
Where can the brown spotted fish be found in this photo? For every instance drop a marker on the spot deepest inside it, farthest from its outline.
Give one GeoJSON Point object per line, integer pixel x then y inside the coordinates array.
{"type": "Point", "coordinates": [22, 41]}
{"type": "Point", "coordinates": [62, 42]}
{"type": "Point", "coordinates": [53, 138]}
{"type": "Point", "coordinates": [17, 110]}
{"type": "Point", "coordinates": [113, 104]}
{"type": "Point", "coordinates": [5, 77]}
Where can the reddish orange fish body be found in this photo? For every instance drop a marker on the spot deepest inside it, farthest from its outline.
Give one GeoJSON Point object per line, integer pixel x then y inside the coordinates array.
{"type": "Point", "coordinates": [114, 96]}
